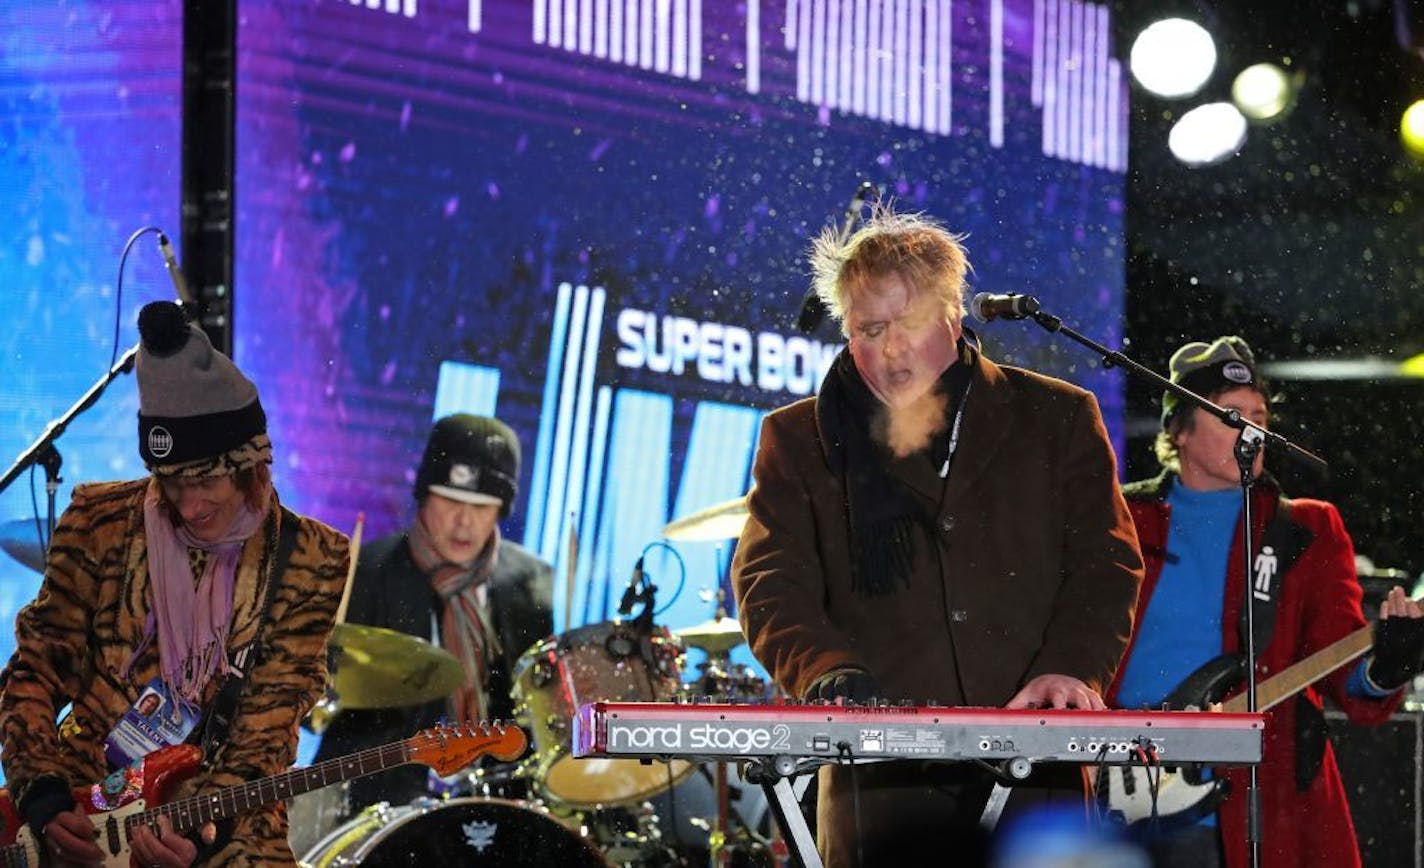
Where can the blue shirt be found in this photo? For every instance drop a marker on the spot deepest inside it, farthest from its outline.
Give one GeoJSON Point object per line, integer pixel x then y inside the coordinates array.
{"type": "Point", "coordinates": [1181, 628]}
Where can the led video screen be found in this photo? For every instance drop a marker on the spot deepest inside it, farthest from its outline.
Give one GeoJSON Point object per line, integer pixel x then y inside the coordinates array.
{"type": "Point", "coordinates": [589, 217]}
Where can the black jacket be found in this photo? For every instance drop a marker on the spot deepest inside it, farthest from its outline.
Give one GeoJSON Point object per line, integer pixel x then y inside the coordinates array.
{"type": "Point", "coordinates": [390, 591]}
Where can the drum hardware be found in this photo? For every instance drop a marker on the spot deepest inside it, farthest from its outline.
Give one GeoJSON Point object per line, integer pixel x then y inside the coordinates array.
{"type": "Point", "coordinates": [622, 644]}
{"type": "Point", "coordinates": [541, 673]}
{"type": "Point", "coordinates": [630, 836]}
{"type": "Point", "coordinates": [498, 780]}
{"type": "Point", "coordinates": [721, 680]}
{"type": "Point", "coordinates": [724, 681]}
{"type": "Point", "coordinates": [717, 636]}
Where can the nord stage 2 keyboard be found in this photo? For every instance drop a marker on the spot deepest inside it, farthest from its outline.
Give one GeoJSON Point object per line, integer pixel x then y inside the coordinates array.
{"type": "Point", "coordinates": [658, 730]}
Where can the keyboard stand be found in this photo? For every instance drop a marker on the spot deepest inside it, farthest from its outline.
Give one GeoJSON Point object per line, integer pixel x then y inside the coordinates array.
{"type": "Point", "coordinates": [776, 774]}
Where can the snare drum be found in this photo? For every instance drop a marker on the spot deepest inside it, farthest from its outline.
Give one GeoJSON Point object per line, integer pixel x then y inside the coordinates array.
{"type": "Point", "coordinates": [491, 832]}
{"type": "Point", "coordinates": [598, 663]}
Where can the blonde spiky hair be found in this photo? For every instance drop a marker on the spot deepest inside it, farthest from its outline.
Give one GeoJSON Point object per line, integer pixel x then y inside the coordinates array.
{"type": "Point", "coordinates": [927, 256]}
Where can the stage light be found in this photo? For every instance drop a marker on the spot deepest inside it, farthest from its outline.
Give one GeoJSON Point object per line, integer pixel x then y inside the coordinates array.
{"type": "Point", "coordinates": [1173, 57]}
{"type": "Point", "coordinates": [1207, 134]}
{"type": "Point", "coordinates": [1263, 91]}
{"type": "Point", "coordinates": [1367, 368]}
{"type": "Point", "coordinates": [1411, 129]}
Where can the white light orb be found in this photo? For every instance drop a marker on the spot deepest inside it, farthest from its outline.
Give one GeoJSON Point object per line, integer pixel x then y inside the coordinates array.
{"type": "Point", "coordinates": [1173, 57]}
{"type": "Point", "coordinates": [1208, 134]}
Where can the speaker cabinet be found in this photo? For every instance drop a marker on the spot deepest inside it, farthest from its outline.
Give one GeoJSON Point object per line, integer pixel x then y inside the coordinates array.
{"type": "Point", "coordinates": [1381, 769]}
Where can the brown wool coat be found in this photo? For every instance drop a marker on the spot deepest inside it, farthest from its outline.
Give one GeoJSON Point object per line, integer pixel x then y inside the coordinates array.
{"type": "Point", "coordinates": [73, 641]}
{"type": "Point", "coordinates": [1032, 566]}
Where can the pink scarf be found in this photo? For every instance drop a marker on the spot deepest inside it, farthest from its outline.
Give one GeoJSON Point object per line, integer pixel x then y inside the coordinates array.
{"type": "Point", "coordinates": [191, 619]}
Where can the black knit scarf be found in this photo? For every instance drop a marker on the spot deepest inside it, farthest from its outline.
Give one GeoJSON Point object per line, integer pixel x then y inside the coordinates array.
{"type": "Point", "coordinates": [881, 511]}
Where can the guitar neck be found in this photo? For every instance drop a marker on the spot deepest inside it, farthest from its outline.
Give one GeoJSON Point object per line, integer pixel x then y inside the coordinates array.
{"type": "Point", "coordinates": [1303, 673]}
{"type": "Point", "coordinates": [192, 812]}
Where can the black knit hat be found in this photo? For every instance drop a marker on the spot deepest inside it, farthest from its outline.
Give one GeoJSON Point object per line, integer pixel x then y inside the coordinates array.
{"type": "Point", "coordinates": [473, 459]}
{"type": "Point", "coordinates": [198, 414]}
{"type": "Point", "coordinates": [1207, 369]}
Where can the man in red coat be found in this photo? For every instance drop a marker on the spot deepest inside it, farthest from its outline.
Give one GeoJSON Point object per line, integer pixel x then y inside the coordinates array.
{"type": "Point", "coordinates": [931, 527]}
{"type": "Point", "coordinates": [1190, 611]}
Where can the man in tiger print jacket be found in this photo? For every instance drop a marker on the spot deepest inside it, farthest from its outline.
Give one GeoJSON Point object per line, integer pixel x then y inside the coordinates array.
{"type": "Point", "coordinates": [161, 584]}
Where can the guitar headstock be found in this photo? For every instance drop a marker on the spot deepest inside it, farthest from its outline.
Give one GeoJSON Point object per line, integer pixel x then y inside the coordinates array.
{"type": "Point", "coordinates": [447, 748]}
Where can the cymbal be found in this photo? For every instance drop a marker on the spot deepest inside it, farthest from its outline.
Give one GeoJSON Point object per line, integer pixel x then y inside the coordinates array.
{"type": "Point", "coordinates": [719, 521]}
{"type": "Point", "coordinates": [373, 667]}
{"type": "Point", "coordinates": [716, 636]}
{"type": "Point", "coordinates": [19, 540]}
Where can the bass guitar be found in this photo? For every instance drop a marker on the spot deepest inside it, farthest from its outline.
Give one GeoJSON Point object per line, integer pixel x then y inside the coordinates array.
{"type": "Point", "coordinates": [136, 796]}
{"type": "Point", "coordinates": [1176, 796]}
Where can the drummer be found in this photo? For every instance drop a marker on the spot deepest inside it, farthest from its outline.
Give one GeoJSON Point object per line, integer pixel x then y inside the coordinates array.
{"type": "Point", "coordinates": [452, 579]}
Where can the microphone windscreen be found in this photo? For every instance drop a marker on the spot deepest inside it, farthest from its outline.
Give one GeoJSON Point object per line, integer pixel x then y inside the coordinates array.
{"type": "Point", "coordinates": [976, 307]}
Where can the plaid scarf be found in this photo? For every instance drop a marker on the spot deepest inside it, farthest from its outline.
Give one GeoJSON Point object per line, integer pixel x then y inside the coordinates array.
{"type": "Point", "coordinates": [465, 630]}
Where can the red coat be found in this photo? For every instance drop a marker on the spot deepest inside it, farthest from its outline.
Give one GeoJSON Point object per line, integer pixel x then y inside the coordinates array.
{"type": "Point", "coordinates": [1319, 603]}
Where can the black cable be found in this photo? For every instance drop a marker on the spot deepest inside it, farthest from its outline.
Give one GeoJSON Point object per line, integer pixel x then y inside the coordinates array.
{"type": "Point", "coordinates": [1101, 762]}
{"type": "Point", "coordinates": [113, 358]}
{"type": "Point", "coordinates": [672, 810]}
{"type": "Point", "coordinates": [1154, 784]}
{"type": "Point", "coordinates": [119, 287]}
{"type": "Point", "coordinates": [682, 573]}
{"type": "Point", "coordinates": [1100, 801]}
{"type": "Point", "coordinates": [35, 507]}
{"type": "Point", "coordinates": [843, 751]}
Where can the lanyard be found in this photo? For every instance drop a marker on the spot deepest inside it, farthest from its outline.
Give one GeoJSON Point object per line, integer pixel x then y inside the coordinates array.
{"type": "Point", "coordinates": [954, 431]}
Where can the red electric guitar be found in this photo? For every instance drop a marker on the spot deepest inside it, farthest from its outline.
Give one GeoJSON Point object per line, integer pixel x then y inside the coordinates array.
{"type": "Point", "coordinates": [134, 796]}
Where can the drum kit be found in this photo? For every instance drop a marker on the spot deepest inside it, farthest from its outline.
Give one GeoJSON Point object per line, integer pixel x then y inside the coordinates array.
{"type": "Point", "coordinates": [551, 808]}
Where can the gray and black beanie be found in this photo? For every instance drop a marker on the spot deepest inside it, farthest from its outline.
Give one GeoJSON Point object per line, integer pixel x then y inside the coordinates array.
{"type": "Point", "coordinates": [198, 415]}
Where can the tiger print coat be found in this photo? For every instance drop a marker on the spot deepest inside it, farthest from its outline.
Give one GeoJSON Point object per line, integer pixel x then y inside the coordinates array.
{"type": "Point", "coordinates": [73, 640]}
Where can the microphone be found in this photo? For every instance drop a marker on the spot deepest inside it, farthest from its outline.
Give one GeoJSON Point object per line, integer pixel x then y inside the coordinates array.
{"type": "Point", "coordinates": [866, 192]}
{"type": "Point", "coordinates": [987, 307]}
{"type": "Point", "coordinates": [170, 261]}
{"type": "Point", "coordinates": [813, 310]}
{"type": "Point", "coordinates": [630, 593]}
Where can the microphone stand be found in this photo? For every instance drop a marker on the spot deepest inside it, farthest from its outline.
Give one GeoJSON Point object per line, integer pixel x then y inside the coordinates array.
{"type": "Point", "coordinates": [813, 310]}
{"type": "Point", "coordinates": [43, 451]}
{"type": "Point", "coordinates": [1249, 441]}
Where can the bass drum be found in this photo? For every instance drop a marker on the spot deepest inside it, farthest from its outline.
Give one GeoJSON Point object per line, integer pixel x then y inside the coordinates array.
{"type": "Point", "coordinates": [471, 831]}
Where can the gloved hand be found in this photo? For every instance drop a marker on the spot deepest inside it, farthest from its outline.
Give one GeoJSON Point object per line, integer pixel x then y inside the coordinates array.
{"type": "Point", "coordinates": [1399, 651]}
{"type": "Point", "coordinates": [853, 685]}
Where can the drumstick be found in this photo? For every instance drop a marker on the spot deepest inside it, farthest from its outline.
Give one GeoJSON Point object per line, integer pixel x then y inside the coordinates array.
{"type": "Point", "coordinates": [351, 570]}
